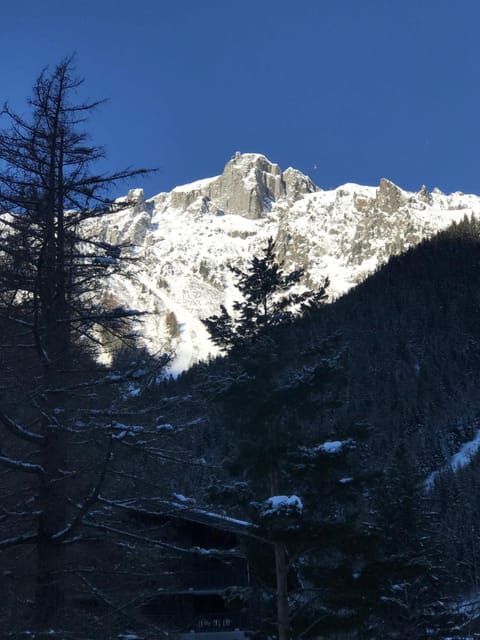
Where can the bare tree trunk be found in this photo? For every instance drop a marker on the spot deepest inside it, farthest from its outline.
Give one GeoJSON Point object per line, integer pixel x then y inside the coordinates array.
{"type": "Point", "coordinates": [55, 347]}
{"type": "Point", "coordinates": [50, 552]}
{"type": "Point", "coordinates": [281, 571]}
{"type": "Point", "coordinates": [281, 564]}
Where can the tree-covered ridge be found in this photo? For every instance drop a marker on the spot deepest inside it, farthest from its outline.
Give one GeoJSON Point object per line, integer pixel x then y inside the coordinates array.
{"type": "Point", "coordinates": [409, 348]}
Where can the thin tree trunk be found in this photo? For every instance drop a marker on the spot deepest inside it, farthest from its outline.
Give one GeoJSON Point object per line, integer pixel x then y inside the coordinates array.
{"type": "Point", "coordinates": [281, 572]}
{"type": "Point", "coordinates": [53, 499]}
{"type": "Point", "coordinates": [50, 553]}
{"type": "Point", "coordinates": [281, 564]}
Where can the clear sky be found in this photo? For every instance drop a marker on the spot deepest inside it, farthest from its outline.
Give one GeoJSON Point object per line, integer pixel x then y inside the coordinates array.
{"type": "Point", "coordinates": [344, 90]}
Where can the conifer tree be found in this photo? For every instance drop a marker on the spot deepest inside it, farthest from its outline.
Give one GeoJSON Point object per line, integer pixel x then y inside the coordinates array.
{"type": "Point", "coordinates": [290, 482]}
{"type": "Point", "coordinates": [50, 266]}
{"type": "Point", "coordinates": [267, 301]}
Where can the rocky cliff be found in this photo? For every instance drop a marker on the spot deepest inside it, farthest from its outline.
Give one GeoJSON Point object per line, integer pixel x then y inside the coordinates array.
{"type": "Point", "coordinates": [184, 240]}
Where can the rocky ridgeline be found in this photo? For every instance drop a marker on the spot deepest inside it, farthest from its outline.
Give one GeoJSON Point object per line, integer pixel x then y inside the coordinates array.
{"type": "Point", "coordinates": [185, 239]}
{"type": "Point", "coordinates": [249, 186]}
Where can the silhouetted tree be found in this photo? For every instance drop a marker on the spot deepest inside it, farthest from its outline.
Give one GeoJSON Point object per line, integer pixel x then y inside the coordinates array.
{"type": "Point", "coordinates": [291, 481]}
{"type": "Point", "coordinates": [50, 266]}
{"type": "Point", "coordinates": [268, 300]}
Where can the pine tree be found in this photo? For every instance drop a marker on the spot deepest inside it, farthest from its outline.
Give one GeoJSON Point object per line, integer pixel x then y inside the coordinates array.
{"type": "Point", "coordinates": [294, 485]}
{"type": "Point", "coordinates": [268, 300]}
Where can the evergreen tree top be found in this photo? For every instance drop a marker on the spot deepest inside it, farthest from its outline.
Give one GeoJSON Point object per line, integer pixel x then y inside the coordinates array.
{"type": "Point", "coordinates": [268, 300]}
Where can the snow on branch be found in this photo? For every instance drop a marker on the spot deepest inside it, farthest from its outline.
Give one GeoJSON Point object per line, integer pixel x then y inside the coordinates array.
{"type": "Point", "coordinates": [18, 430]}
{"type": "Point", "coordinates": [20, 465]}
{"type": "Point", "coordinates": [281, 504]}
{"type": "Point", "coordinates": [332, 447]}
{"type": "Point", "coordinates": [26, 538]}
{"type": "Point", "coordinates": [145, 539]}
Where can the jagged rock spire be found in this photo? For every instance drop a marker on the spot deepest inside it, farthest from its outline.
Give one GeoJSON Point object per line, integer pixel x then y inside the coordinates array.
{"type": "Point", "coordinates": [249, 186]}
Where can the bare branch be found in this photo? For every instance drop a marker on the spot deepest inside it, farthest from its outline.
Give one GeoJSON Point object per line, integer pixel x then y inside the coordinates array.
{"type": "Point", "coordinates": [152, 541]}
{"type": "Point", "coordinates": [89, 501]}
{"type": "Point", "coordinates": [26, 538]}
{"type": "Point", "coordinates": [17, 429]}
{"type": "Point", "coordinates": [19, 465]}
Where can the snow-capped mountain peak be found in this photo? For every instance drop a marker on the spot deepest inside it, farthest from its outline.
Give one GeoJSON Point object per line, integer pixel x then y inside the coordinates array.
{"type": "Point", "coordinates": [185, 239]}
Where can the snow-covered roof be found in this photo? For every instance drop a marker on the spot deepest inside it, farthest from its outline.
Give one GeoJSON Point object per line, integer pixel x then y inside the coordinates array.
{"type": "Point", "coordinates": [184, 510]}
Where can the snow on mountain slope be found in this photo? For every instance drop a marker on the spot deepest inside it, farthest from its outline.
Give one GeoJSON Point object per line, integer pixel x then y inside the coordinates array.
{"type": "Point", "coordinates": [185, 239]}
{"type": "Point", "coordinates": [458, 460]}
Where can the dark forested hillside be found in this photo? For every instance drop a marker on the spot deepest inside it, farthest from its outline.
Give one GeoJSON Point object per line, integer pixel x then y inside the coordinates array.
{"type": "Point", "coordinates": [409, 339]}
{"type": "Point", "coordinates": [413, 341]}
{"type": "Point", "coordinates": [401, 360]}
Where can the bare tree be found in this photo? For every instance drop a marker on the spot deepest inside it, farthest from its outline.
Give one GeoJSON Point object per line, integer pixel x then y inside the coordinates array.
{"type": "Point", "coordinates": [50, 265]}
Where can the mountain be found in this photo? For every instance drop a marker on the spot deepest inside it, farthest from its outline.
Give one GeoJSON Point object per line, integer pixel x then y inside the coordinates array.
{"type": "Point", "coordinates": [185, 240]}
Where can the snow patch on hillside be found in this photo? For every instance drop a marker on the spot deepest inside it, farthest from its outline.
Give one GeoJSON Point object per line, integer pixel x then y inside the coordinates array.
{"type": "Point", "coordinates": [461, 459]}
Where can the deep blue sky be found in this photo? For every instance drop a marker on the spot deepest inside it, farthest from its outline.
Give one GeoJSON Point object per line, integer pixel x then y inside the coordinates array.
{"type": "Point", "coordinates": [361, 89]}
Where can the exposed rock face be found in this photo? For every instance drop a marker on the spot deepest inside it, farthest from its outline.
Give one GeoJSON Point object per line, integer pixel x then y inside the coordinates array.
{"type": "Point", "coordinates": [389, 197]}
{"type": "Point", "coordinates": [186, 239]}
{"type": "Point", "coordinates": [297, 184]}
{"type": "Point", "coordinates": [129, 226]}
{"type": "Point", "coordinates": [248, 186]}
